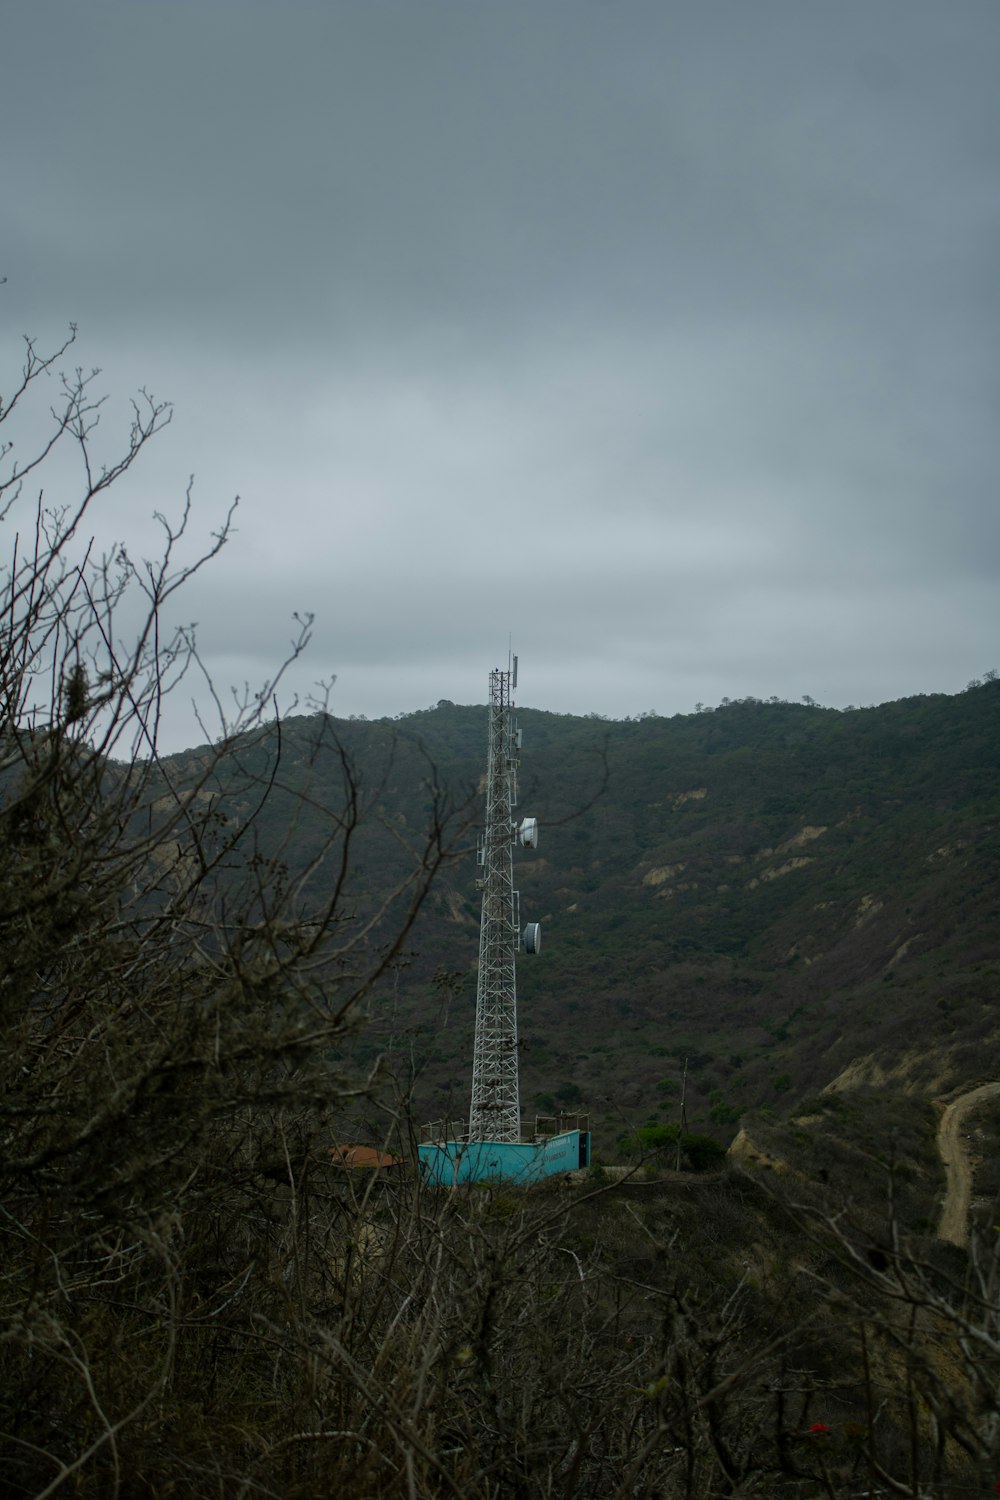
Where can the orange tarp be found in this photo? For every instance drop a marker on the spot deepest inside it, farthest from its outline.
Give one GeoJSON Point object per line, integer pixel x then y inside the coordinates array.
{"type": "Point", "coordinates": [363, 1156]}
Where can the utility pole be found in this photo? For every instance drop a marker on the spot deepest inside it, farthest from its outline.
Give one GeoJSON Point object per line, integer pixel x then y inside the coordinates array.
{"type": "Point", "coordinates": [682, 1128]}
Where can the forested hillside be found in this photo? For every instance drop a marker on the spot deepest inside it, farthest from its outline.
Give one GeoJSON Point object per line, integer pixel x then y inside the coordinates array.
{"type": "Point", "coordinates": [221, 964]}
{"type": "Point", "coordinates": [789, 897]}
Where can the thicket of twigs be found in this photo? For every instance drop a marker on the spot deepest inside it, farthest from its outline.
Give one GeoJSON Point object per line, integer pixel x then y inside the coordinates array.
{"type": "Point", "coordinates": [195, 1301]}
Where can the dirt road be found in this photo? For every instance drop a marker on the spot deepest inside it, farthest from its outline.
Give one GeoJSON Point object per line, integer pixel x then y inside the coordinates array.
{"type": "Point", "coordinates": [954, 1225]}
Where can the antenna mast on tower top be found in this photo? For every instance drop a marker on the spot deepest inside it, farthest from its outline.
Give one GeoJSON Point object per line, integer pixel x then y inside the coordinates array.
{"type": "Point", "coordinates": [495, 1114]}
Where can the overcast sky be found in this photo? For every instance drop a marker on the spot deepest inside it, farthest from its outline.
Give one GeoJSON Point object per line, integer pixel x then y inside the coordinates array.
{"type": "Point", "coordinates": [659, 336]}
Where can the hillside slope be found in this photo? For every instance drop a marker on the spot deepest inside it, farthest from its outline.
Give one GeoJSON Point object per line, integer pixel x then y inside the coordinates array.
{"type": "Point", "coordinates": [792, 898]}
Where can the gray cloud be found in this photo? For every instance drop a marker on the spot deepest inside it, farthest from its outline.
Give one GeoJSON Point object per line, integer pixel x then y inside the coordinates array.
{"type": "Point", "coordinates": [661, 336]}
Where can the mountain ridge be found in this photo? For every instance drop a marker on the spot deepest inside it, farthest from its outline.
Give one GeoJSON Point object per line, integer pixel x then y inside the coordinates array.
{"type": "Point", "coordinates": [775, 892]}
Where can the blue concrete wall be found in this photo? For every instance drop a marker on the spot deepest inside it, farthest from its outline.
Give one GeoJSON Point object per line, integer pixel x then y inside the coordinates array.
{"type": "Point", "coordinates": [445, 1163]}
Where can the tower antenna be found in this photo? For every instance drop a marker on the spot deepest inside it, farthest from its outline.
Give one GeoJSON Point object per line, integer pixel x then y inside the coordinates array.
{"type": "Point", "coordinates": [495, 1113]}
{"type": "Point", "coordinates": [495, 1148]}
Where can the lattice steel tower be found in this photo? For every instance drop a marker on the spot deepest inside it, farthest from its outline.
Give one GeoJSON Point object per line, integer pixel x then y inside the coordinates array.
{"type": "Point", "coordinates": [496, 1112]}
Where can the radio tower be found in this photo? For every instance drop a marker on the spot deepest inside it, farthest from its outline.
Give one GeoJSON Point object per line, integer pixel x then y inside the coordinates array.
{"type": "Point", "coordinates": [495, 1114]}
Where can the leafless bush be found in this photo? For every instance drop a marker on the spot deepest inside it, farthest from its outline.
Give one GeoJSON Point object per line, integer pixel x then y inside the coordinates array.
{"type": "Point", "coordinates": [924, 1326]}
{"type": "Point", "coordinates": [172, 999]}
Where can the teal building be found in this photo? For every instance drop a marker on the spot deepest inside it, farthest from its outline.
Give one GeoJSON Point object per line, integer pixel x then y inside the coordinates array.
{"type": "Point", "coordinates": [446, 1163]}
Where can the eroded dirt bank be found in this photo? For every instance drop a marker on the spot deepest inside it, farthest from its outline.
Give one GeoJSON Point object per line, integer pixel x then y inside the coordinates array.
{"type": "Point", "coordinates": [954, 1225]}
